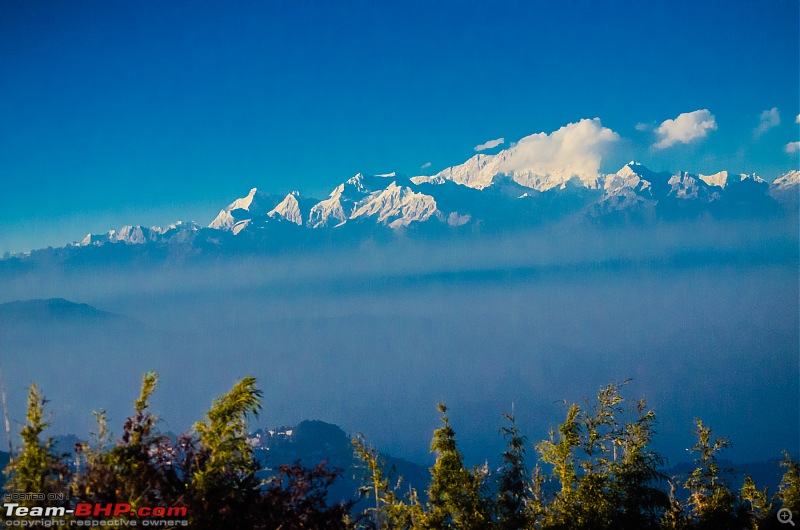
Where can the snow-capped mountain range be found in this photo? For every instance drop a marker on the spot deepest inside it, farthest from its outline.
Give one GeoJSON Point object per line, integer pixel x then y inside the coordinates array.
{"type": "Point", "coordinates": [485, 191]}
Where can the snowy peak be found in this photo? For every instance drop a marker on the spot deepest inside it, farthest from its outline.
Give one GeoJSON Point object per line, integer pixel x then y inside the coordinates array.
{"type": "Point", "coordinates": [724, 178]}
{"type": "Point", "coordinates": [494, 189]}
{"type": "Point", "coordinates": [333, 211]}
{"type": "Point", "coordinates": [131, 234]}
{"type": "Point", "coordinates": [243, 203]}
{"type": "Point", "coordinates": [225, 220]}
{"type": "Point", "coordinates": [787, 181]}
{"type": "Point", "coordinates": [629, 188]}
{"type": "Point", "coordinates": [288, 209]}
{"type": "Point", "coordinates": [717, 179]}
{"type": "Point", "coordinates": [139, 235]}
{"type": "Point", "coordinates": [397, 206]}
{"type": "Point", "coordinates": [635, 187]}
{"type": "Point", "coordinates": [630, 177]}
{"type": "Point", "coordinates": [786, 190]}
{"type": "Point", "coordinates": [356, 182]}
{"type": "Point", "coordinates": [539, 161]}
{"type": "Point", "coordinates": [477, 172]}
{"type": "Point", "coordinates": [687, 186]}
{"type": "Point", "coordinates": [360, 184]}
{"type": "Point", "coordinates": [710, 188]}
{"type": "Point", "coordinates": [629, 170]}
{"type": "Point", "coordinates": [254, 207]}
{"type": "Point", "coordinates": [541, 178]}
{"type": "Point", "coordinates": [480, 171]}
{"type": "Point", "coordinates": [349, 196]}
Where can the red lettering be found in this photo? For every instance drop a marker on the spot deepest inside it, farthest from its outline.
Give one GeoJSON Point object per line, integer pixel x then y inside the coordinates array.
{"type": "Point", "coordinates": [121, 508]}
{"type": "Point", "coordinates": [176, 511]}
{"type": "Point", "coordinates": [100, 509]}
{"type": "Point", "coordinates": [83, 509]}
{"type": "Point", "coordinates": [144, 511]}
{"type": "Point", "coordinates": [159, 511]}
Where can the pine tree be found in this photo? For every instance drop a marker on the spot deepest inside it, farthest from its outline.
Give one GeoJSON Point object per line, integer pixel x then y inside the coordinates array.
{"type": "Point", "coordinates": [789, 488]}
{"type": "Point", "coordinates": [454, 497]}
{"type": "Point", "coordinates": [36, 469]}
{"type": "Point", "coordinates": [756, 504]}
{"type": "Point", "coordinates": [390, 511]}
{"type": "Point", "coordinates": [139, 469]}
{"type": "Point", "coordinates": [512, 494]}
{"type": "Point", "coordinates": [674, 516]}
{"type": "Point", "coordinates": [711, 502]}
{"type": "Point", "coordinates": [640, 502]}
{"type": "Point", "coordinates": [560, 454]}
{"type": "Point", "coordinates": [595, 501]}
{"type": "Point", "coordinates": [608, 474]}
{"type": "Point", "coordinates": [223, 486]}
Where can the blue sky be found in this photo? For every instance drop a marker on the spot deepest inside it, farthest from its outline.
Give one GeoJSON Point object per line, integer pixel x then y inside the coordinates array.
{"type": "Point", "coordinates": [115, 113]}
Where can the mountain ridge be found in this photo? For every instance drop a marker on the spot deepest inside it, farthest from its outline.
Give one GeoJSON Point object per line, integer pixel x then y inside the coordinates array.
{"type": "Point", "coordinates": [51, 308]}
{"type": "Point", "coordinates": [480, 192]}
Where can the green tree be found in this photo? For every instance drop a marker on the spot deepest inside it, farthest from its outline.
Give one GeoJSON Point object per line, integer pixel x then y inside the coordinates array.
{"type": "Point", "coordinates": [789, 488]}
{"type": "Point", "coordinates": [609, 475]}
{"type": "Point", "coordinates": [636, 474]}
{"type": "Point", "coordinates": [221, 465]}
{"type": "Point", "coordinates": [139, 469]}
{"type": "Point", "coordinates": [674, 516]}
{"type": "Point", "coordinates": [560, 454]}
{"type": "Point", "coordinates": [511, 507]}
{"type": "Point", "coordinates": [454, 499]}
{"type": "Point", "coordinates": [595, 501]}
{"type": "Point", "coordinates": [390, 510]}
{"type": "Point", "coordinates": [711, 502]}
{"type": "Point", "coordinates": [756, 504]}
{"type": "Point", "coordinates": [35, 468]}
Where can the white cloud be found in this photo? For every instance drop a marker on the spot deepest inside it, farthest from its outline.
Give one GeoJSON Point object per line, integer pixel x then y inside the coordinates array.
{"type": "Point", "coordinates": [641, 126]}
{"type": "Point", "coordinates": [575, 149]}
{"type": "Point", "coordinates": [489, 144]}
{"type": "Point", "coordinates": [685, 128]}
{"type": "Point", "coordinates": [426, 165]}
{"type": "Point", "coordinates": [797, 119]}
{"type": "Point", "coordinates": [792, 147]}
{"type": "Point", "coordinates": [767, 120]}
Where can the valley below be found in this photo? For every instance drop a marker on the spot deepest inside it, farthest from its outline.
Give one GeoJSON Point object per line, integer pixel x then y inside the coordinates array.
{"type": "Point", "coordinates": [703, 317]}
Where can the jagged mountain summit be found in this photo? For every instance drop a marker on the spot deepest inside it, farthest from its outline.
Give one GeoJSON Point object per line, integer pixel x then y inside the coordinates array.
{"type": "Point", "coordinates": [177, 232]}
{"type": "Point", "coordinates": [487, 192]}
{"type": "Point", "coordinates": [785, 190]}
{"type": "Point", "coordinates": [388, 199]}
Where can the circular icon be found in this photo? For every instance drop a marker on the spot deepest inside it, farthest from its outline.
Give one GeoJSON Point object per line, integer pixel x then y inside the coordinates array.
{"type": "Point", "coordinates": [785, 516]}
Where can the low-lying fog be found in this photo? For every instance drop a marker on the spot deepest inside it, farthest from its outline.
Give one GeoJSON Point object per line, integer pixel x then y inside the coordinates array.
{"type": "Point", "coordinates": [703, 317]}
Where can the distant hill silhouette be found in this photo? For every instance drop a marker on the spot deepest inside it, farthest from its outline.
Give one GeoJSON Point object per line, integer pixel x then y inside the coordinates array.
{"type": "Point", "coordinates": [314, 441]}
{"type": "Point", "coordinates": [51, 309]}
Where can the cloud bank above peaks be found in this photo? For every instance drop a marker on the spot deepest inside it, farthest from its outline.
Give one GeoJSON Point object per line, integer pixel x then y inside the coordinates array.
{"type": "Point", "coordinates": [576, 149]}
{"type": "Point", "coordinates": [686, 128]}
{"type": "Point", "coordinates": [490, 144]}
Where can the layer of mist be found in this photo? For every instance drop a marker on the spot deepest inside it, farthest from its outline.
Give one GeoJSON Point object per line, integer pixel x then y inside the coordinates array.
{"type": "Point", "coordinates": [702, 316]}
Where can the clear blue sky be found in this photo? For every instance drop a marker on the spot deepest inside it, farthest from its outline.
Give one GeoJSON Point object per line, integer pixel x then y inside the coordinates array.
{"type": "Point", "coordinates": [147, 112]}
